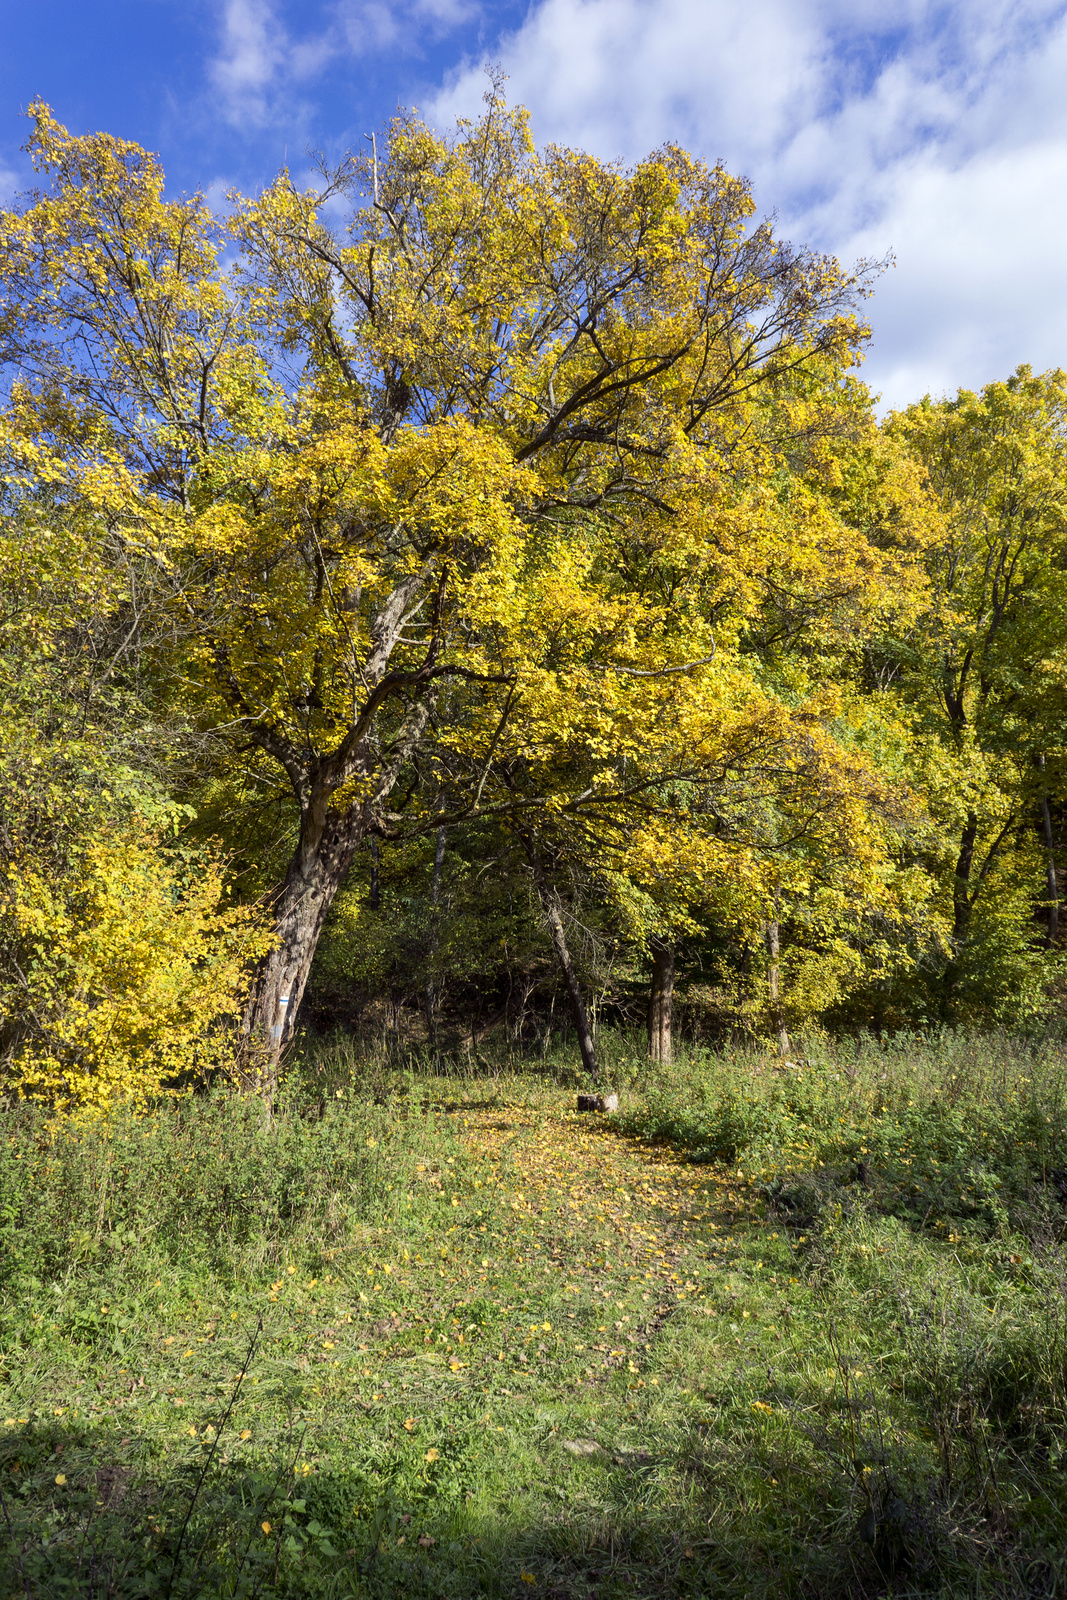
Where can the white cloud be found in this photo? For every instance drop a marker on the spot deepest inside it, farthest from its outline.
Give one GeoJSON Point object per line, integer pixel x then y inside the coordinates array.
{"type": "Point", "coordinates": [939, 131]}
{"type": "Point", "coordinates": [980, 287]}
{"type": "Point", "coordinates": [619, 76]}
{"type": "Point", "coordinates": [254, 48]}
{"type": "Point", "coordinates": [263, 57]}
{"type": "Point", "coordinates": [369, 26]}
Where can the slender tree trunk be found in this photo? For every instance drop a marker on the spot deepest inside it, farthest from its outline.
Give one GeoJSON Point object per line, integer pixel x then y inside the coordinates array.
{"type": "Point", "coordinates": [777, 1016]}
{"type": "Point", "coordinates": [550, 906]}
{"type": "Point", "coordinates": [375, 900]}
{"type": "Point", "coordinates": [1051, 877]}
{"type": "Point", "coordinates": [1051, 882]}
{"type": "Point", "coordinates": [432, 995]}
{"type": "Point", "coordinates": [962, 906]}
{"type": "Point", "coordinates": [546, 1043]}
{"type": "Point", "coordinates": [661, 1002]}
{"type": "Point", "coordinates": [962, 903]}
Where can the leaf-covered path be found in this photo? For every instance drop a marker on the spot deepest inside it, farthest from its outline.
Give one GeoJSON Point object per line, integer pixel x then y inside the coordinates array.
{"type": "Point", "coordinates": [586, 1199]}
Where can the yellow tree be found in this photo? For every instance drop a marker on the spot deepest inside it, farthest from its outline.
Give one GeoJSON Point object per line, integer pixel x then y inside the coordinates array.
{"type": "Point", "coordinates": [985, 671]}
{"type": "Point", "coordinates": [488, 469]}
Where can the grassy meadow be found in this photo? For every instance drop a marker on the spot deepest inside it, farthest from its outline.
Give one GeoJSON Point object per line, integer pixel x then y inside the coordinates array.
{"type": "Point", "coordinates": [776, 1329]}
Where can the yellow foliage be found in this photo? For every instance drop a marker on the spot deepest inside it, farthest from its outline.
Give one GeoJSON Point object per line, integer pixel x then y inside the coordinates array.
{"type": "Point", "coordinates": [542, 463]}
{"type": "Point", "coordinates": [128, 976]}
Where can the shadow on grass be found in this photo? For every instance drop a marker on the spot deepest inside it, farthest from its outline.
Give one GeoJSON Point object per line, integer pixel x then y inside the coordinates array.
{"type": "Point", "coordinates": [101, 1513]}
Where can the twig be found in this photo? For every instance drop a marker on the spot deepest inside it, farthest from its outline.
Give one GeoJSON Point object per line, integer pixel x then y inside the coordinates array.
{"type": "Point", "coordinates": [15, 1547]}
{"type": "Point", "coordinates": [211, 1454]}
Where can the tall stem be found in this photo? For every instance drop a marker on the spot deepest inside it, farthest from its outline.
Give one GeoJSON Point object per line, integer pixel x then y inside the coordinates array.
{"type": "Point", "coordinates": [962, 906]}
{"type": "Point", "coordinates": [1051, 883]}
{"type": "Point", "coordinates": [432, 996]}
{"type": "Point", "coordinates": [777, 1016]}
{"type": "Point", "coordinates": [1050, 874]}
{"type": "Point", "coordinates": [553, 915]}
{"type": "Point", "coordinates": [375, 900]}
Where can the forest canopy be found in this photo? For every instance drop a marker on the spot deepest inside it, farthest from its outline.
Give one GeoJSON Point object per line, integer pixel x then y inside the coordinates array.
{"type": "Point", "coordinates": [477, 587]}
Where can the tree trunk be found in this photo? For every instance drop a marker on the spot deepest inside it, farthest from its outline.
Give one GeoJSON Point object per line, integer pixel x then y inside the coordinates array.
{"type": "Point", "coordinates": [962, 906]}
{"type": "Point", "coordinates": [315, 874]}
{"type": "Point", "coordinates": [553, 916]}
{"type": "Point", "coordinates": [661, 1002]}
{"type": "Point", "coordinates": [776, 1015]}
{"type": "Point", "coordinates": [432, 996]}
{"type": "Point", "coordinates": [546, 1042]}
{"type": "Point", "coordinates": [1050, 868]}
{"type": "Point", "coordinates": [962, 903]}
{"type": "Point", "coordinates": [375, 899]}
{"type": "Point", "coordinates": [329, 838]}
{"type": "Point", "coordinates": [1051, 882]}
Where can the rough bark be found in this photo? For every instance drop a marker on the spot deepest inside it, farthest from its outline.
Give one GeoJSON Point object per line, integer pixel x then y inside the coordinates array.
{"type": "Point", "coordinates": [962, 900]}
{"type": "Point", "coordinates": [553, 915]}
{"type": "Point", "coordinates": [329, 838]}
{"type": "Point", "coordinates": [661, 1002]}
{"type": "Point", "coordinates": [1052, 888]}
{"type": "Point", "coordinates": [315, 874]}
{"type": "Point", "coordinates": [966, 887]}
{"type": "Point", "coordinates": [774, 1008]}
{"type": "Point", "coordinates": [962, 906]}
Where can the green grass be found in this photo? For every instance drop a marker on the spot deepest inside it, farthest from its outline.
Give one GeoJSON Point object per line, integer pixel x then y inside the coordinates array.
{"type": "Point", "coordinates": [775, 1331]}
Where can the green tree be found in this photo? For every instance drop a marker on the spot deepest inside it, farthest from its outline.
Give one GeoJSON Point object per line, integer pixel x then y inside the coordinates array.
{"type": "Point", "coordinates": [984, 674]}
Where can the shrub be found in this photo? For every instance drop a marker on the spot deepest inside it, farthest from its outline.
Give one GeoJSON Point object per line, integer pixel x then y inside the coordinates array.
{"type": "Point", "coordinates": [124, 977]}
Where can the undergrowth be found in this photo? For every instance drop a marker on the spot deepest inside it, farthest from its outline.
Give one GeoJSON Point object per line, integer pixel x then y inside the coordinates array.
{"type": "Point", "coordinates": [779, 1329]}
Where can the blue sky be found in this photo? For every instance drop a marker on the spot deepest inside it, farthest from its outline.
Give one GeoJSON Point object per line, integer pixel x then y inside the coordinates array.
{"type": "Point", "coordinates": [938, 131]}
